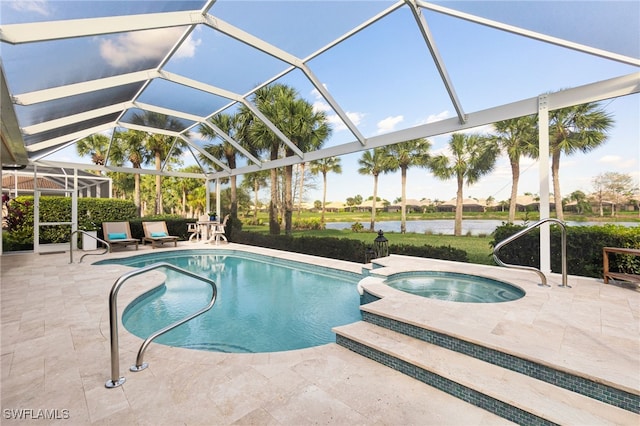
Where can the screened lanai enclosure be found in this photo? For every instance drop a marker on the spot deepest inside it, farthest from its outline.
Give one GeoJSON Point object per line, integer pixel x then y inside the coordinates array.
{"type": "Point", "coordinates": [383, 72]}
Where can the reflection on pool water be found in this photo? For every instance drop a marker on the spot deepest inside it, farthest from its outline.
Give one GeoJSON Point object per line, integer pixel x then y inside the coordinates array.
{"type": "Point", "coordinates": [455, 287]}
{"type": "Point", "coordinates": [264, 304]}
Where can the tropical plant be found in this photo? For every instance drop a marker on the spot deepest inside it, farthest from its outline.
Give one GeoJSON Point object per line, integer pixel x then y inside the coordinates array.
{"type": "Point", "coordinates": [472, 156]}
{"type": "Point", "coordinates": [372, 163]}
{"type": "Point", "coordinates": [130, 146]}
{"type": "Point", "coordinates": [517, 137]}
{"type": "Point", "coordinates": [224, 151]}
{"type": "Point", "coordinates": [296, 119]}
{"type": "Point", "coordinates": [255, 181]}
{"type": "Point", "coordinates": [582, 204]}
{"type": "Point", "coordinates": [96, 146]}
{"type": "Point", "coordinates": [576, 128]}
{"type": "Point", "coordinates": [159, 145]}
{"type": "Point", "coordinates": [401, 156]}
{"type": "Point", "coordinates": [324, 166]}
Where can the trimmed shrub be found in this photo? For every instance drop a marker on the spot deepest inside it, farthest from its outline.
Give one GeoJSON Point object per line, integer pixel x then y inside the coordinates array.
{"type": "Point", "coordinates": [584, 248]}
{"type": "Point", "coordinates": [342, 248]}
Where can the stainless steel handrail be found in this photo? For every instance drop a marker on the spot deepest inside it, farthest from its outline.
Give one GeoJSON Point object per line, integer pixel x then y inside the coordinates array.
{"type": "Point", "coordinates": [80, 231]}
{"type": "Point", "coordinates": [116, 380]}
{"type": "Point", "coordinates": [529, 268]}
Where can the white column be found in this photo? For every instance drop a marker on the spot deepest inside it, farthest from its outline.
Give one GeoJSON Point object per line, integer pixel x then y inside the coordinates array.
{"type": "Point", "coordinates": [36, 212]}
{"type": "Point", "coordinates": [218, 198]}
{"type": "Point", "coordinates": [208, 195]}
{"type": "Point", "coordinates": [543, 141]}
{"type": "Point", "coordinates": [74, 210]}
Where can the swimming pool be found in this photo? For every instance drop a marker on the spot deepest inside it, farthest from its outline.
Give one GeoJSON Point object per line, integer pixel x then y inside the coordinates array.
{"type": "Point", "coordinates": [455, 287]}
{"type": "Point", "coordinates": [264, 304]}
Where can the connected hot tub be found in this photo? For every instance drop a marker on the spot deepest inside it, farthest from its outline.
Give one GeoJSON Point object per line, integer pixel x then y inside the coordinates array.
{"type": "Point", "coordinates": [455, 287]}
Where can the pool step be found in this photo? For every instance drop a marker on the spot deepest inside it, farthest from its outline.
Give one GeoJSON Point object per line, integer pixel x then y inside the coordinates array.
{"type": "Point", "coordinates": [509, 394]}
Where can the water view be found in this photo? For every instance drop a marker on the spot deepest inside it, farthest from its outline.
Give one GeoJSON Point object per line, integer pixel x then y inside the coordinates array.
{"type": "Point", "coordinates": [445, 226]}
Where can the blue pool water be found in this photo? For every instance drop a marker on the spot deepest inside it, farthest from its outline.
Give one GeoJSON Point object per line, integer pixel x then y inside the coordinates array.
{"type": "Point", "coordinates": [263, 304]}
{"type": "Point", "coordinates": [455, 287]}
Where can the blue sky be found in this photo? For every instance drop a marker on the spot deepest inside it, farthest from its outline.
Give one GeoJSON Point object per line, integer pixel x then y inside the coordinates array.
{"type": "Point", "coordinates": [383, 77]}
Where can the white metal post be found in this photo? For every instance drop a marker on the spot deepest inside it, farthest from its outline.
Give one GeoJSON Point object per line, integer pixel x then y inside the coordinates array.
{"type": "Point", "coordinates": [543, 141]}
{"type": "Point", "coordinates": [74, 211]}
{"type": "Point", "coordinates": [218, 198]}
{"type": "Point", "coordinates": [208, 195]}
{"type": "Point", "coordinates": [36, 211]}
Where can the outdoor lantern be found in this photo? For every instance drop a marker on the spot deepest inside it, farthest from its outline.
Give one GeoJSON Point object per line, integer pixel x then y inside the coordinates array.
{"type": "Point", "coordinates": [381, 245]}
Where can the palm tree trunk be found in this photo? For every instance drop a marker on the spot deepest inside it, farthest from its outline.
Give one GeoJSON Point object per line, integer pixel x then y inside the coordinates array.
{"type": "Point", "coordinates": [324, 196]}
{"type": "Point", "coordinates": [234, 196]}
{"type": "Point", "coordinates": [184, 202]}
{"type": "Point", "coordinates": [158, 184]}
{"type": "Point", "coordinates": [256, 189]}
{"type": "Point", "coordinates": [457, 227]}
{"type": "Point", "coordinates": [288, 201]}
{"type": "Point", "coordinates": [557, 196]}
{"type": "Point", "coordinates": [515, 177]}
{"type": "Point", "coordinates": [274, 225]}
{"type": "Point", "coordinates": [301, 189]}
{"type": "Point", "coordinates": [372, 226]}
{"type": "Point", "coordinates": [403, 202]}
{"type": "Point", "coordinates": [136, 193]}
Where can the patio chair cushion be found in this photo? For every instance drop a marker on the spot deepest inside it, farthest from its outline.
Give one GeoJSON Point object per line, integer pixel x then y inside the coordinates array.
{"type": "Point", "coordinates": [158, 234]}
{"type": "Point", "coordinates": [118, 236]}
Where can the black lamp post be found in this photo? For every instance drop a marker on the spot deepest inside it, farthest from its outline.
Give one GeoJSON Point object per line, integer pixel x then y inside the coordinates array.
{"type": "Point", "coordinates": [381, 245]}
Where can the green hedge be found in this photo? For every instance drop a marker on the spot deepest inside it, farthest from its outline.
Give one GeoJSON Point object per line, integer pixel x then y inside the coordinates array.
{"type": "Point", "coordinates": [584, 248]}
{"type": "Point", "coordinates": [91, 213]}
{"type": "Point", "coordinates": [342, 248]}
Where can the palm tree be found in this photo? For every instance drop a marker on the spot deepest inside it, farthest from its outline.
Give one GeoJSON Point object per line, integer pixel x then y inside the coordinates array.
{"type": "Point", "coordinates": [187, 186]}
{"type": "Point", "coordinates": [255, 181]}
{"type": "Point", "coordinates": [224, 151]}
{"type": "Point", "coordinates": [576, 128]}
{"type": "Point", "coordinates": [517, 137]}
{"type": "Point", "coordinates": [296, 119]}
{"type": "Point", "coordinates": [158, 144]}
{"type": "Point", "coordinates": [373, 163]}
{"type": "Point", "coordinates": [268, 100]}
{"type": "Point", "coordinates": [401, 156]}
{"type": "Point", "coordinates": [324, 166]}
{"type": "Point", "coordinates": [308, 130]}
{"type": "Point", "coordinates": [472, 156]}
{"type": "Point", "coordinates": [130, 146]}
{"type": "Point", "coordinates": [95, 146]}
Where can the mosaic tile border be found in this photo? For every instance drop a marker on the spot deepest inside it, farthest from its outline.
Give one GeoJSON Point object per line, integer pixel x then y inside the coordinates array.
{"type": "Point", "coordinates": [601, 392]}
{"type": "Point", "coordinates": [451, 387]}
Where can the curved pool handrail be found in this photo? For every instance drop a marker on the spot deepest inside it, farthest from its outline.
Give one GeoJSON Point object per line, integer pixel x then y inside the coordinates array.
{"type": "Point", "coordinates": [116, 380]}
{"type": "Point", "coordinates": [517, 235]}
{"type": "Point", "coordinates": [80, 231]}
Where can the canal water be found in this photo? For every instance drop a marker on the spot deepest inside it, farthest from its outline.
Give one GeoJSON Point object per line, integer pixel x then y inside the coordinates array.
{"type": "Point", "coordinates": [445, 226]}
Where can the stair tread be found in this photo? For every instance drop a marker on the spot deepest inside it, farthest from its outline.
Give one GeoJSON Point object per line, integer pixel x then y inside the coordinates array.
{"type": "Point", "coordinates": [527, 393]}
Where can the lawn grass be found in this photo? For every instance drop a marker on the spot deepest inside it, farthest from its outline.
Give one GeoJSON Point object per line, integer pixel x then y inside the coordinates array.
{"type": "Point", "coordinates": [477, 248]}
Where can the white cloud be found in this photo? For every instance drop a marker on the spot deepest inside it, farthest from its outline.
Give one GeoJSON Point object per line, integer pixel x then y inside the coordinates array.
{"type": "Point", "coordinates": [38, 6]}
{"type": "Point", "coordinates": [140, 46]}
{"type": "Point", "coordinates": [436, 117]}
{"type": "Point", "coordinates": [337, 124]}
{"type": "Point", "coordinates": [388, 124]}
{"type": "Point", "coordinates": [618, 162]}
{"type": "Point", "coordinates": [320, 105]}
